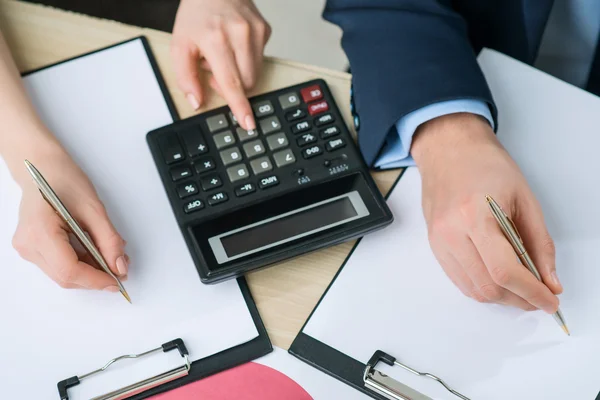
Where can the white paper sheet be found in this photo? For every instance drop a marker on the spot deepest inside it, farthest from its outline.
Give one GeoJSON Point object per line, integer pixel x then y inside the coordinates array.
{"type": "Point", "coordinates": [392, 294]}
{"type": "Point", "coordinates": [101, 107]}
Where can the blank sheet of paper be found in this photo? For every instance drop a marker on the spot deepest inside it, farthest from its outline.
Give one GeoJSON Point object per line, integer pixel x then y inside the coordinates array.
{"type": "Point", "coordinates": [392, 294]}
{"type": "Point", "coordinates": [100, 107]}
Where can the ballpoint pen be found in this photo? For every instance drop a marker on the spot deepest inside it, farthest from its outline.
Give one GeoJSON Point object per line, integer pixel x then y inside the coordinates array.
{"type": "Point", "coordinates": [52, 199]}
{"type": "Point", "coordinates": [512, 234]}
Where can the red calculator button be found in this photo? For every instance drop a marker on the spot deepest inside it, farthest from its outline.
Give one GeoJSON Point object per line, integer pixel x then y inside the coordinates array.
{"type": "Point", "coordinates": [311, 93]}
{"type": "Point", "coordinates": [318, 107]}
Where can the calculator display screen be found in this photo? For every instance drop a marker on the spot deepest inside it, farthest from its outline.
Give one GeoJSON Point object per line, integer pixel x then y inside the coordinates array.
{"type": "Point", "coordinates": [287, 227]}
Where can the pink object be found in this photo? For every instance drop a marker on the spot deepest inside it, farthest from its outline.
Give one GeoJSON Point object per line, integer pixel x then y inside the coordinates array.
{"type": "Point", "coordinates": [319, 107]}
{"type": "Point", "coordinates": [250, 381]}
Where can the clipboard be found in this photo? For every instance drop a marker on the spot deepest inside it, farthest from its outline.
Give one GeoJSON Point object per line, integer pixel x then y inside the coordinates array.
{"type": "Point", "coordinates": [364, 377]}
{"type": "Point", "coordinates": [189, 371]}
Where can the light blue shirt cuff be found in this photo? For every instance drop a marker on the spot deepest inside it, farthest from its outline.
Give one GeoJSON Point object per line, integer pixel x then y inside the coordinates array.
{"type": "Point", "coordinates": [396, 150]}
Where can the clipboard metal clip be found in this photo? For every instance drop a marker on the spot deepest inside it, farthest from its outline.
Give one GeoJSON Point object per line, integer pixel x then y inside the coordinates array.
{"type": "Point", "coordinates": [138, 387]}
{"type": "Point", "coordinates": [390, 388]}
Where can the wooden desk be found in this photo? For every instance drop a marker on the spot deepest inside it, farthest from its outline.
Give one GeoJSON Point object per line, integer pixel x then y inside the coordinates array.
{"type": "Point", "coordinates": [285, 294]}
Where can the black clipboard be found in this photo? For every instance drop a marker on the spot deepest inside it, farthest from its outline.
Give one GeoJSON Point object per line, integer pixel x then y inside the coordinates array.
{"type": "Point", "coordinates": [257, 347]}
{"type": "Point", "coordinates": [363, 377]}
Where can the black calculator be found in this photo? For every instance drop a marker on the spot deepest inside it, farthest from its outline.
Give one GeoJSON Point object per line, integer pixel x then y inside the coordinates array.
{"type": "Point", "coordinates": [247, 199]}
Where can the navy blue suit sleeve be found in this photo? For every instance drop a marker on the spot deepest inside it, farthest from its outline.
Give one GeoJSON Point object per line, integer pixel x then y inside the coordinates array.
{"type": "Point", "coordinates": [404, 55]}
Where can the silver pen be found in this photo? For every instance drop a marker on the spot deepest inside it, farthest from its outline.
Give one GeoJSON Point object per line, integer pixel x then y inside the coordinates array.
{"type": "Point", "coordinates": [52, 199]}
{"type": "Point", "coordinates": [512, 234]}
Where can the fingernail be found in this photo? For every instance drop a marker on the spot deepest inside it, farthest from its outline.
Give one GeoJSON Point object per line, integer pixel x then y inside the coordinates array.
{"type": "Point", "coordinates": [250, 124]}
{"type": "Point", "coordinates": [193, 101]}
{"type": "Point", "coordinates": [555, 280]}
{"type": "Point", "coordinates": [111, 289]}
{"type": "Point", "coordinates": [122, 265]}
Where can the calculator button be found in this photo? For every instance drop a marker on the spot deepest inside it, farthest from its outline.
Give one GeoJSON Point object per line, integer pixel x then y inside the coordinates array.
{"type": "Point", "coordinates": [312, 152]}
{"type": "Point", "coordinates": [301, 127]}
{"type": "Point", "coordinates": [233, 119]}
{"type": "Point", "coordinates": [194, 142]}
{"type": "Point", "coordinates": [329, 132]}
{"type": "Point", "coordinates": [218, 198]}
{"type": "Point", "coordinates": [224, 139]}
{"type": "Point", "coordinates": [324, 120]}
{"type": "Point", "coordinates": [217, 122]}
{"type": "Point", "coordinates": [284, 158]}
{"type": "Point", "coordinates": [260, 165]}
{"type": "Point", "coordinates": [335, 144]}
{"type": "Point", "coordinates": [187, 189]}
{"type": "Point", "coordinates": [263, 108]}
{"type": "Point", "coordinates": [305, 139]}
{"type": "Point", "coordinates": [204, 164]}
{"type": "Point", "coordinates": [277, 141]}
{"type": "Point", "coordinates": [244, 135]}
{"type": "Point", "coordinates": [171, 148]}
{"type": "Point", "coordinates": [267, 182]}
{"type": "Point", "coordinates": [193, 205]}
{"type": "Point", "coordinates": [237, 172]}
{"type": "Point", "coordinates": [231, 156]}
{"type": "Point", "coordinates": [211, 182]}
{"type": "Point", "coordinates": [254, 148]}
{"type": "Point", "coordinates": [270, 124]}
{"type": "Point", "coordinates": [319, 107]}
{"type": "Point", "coordinates": [289, 100]}
{"type": "Point", "coordinates": [295, 114]}
{"type": "Point", "coordinates": [245, 189]}
{"type": "Point", "coordinates": [311, 93]}
{"type": "Point", "coordinates": [180, 173]}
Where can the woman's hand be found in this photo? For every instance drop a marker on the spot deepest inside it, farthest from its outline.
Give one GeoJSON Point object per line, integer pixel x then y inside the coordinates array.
{"type": "Point", "coordinates": [227, 38]}
{"type": "Point", "coordinates": [461, 161]}
{"type": "Point", "coordinates": [43, 238]}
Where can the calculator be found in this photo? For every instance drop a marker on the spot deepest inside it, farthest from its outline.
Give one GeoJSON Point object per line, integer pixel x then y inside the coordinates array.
{"type": "Point", "coordinates": [248, 199]}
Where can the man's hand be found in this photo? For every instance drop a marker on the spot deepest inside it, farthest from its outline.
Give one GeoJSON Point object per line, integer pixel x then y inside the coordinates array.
{"type": "Point", "coordinates": [461, 161]}
{"type": "Point", "coordinates": [228, 38]}
{"type": "Point", "coordinates": [42, 237]}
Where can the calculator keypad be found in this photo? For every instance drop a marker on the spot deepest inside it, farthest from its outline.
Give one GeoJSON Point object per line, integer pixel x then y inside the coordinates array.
{"type": "Point", "coordinates": [217, 122]}
{"type": "Point", "coordinates": [263, 108]}
{"type": "Point", "coordinates": [244, 135]}
{"type": "Point", "coordinates": [277, 141]}
{"type": "Point", "coordinates": [224, 139]}
{"type": "Point", "coordinates": [237, 155]}
{"type": "Point", "coordinates": [231, 156]}
{"type": "Point", "coordinates": [261, 165]}
{"type": "Point", "coordinates": [187, 189]}
{"type": "Point", "coordinates": [218, 198]}
{"type": "Point", "coordinates": [295, 115]}
{"type": "Point", "coordinates": [289, 100]}
{"type": "Point", "coordinates": [211, 182]}
{"type": "Point", "coordinates": [254, 148]}
{"type": "Point", "coordinates": [194, 142]}
{"type": "Point", "coordinates": [204, 164]}
{"type": "Point", "coordinates": [284, 158]}
{"type": "Point", "coordinates": [237, 172]}
{"type": "Point", "coordinates": [269, 125]}
{"type": "Point", "coordinates": [180, 173]}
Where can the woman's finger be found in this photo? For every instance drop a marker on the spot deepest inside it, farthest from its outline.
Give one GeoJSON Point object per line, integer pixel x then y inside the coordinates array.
{"type": "Point", "coordinates": [95, 220]}
{"type": "Point", "coordinates": [225, 71]}
{"type": "Point", "coordinates": [65, 267]}
{"type": "Point", "coordinates": [185, 61]}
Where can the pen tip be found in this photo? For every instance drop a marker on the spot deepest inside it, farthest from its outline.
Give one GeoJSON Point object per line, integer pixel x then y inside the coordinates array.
{"type": "Point", "coordinates": [488, 198]}
{"type": "Point", "coordinates": [564, 327]}
{"type": "Point", "coordinates": [124, 293]}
